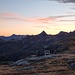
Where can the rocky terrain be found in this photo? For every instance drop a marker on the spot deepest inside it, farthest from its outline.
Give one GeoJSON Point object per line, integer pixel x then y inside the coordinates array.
{"type": "Point", "coordinates": [26, 56]}
{"type": "Point", "coordinates": [59, 64]}
{"type": "Point", "coordinates": [15, 49]}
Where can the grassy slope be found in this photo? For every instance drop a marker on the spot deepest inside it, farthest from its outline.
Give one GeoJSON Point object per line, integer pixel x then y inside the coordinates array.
{"type": "Point", "coordinates": [55, 66]}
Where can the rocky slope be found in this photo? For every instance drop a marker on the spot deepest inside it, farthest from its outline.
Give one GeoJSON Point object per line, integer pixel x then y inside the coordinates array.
{"type": "Point", "coordinates": [15, 49]}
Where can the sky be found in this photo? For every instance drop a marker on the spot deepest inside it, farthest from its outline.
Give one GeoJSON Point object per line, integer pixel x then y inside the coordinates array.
{"type": "Point", "coordinates": [31, 17]}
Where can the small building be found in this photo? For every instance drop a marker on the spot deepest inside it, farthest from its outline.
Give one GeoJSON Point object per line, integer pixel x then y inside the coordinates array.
{"type": "Point", "coordinates": [43, 52]}
{"type": "Point", "coordinates": [46, 52]}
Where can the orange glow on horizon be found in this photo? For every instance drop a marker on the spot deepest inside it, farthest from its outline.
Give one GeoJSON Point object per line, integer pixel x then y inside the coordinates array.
{"type": "Point", "coordinates": [14, 24]}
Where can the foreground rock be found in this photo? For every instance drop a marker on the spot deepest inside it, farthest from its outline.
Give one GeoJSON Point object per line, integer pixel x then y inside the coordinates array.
{"type": "Point", "coordinates": [22, 62]}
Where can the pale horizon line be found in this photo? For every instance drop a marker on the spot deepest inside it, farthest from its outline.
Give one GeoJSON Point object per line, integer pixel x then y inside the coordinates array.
{"type": "Point", "coordinates": [36, 33]}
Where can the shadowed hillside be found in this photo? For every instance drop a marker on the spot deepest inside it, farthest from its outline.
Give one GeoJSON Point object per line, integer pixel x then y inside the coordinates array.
{"type": "Point", "coordinates": [16, 48]}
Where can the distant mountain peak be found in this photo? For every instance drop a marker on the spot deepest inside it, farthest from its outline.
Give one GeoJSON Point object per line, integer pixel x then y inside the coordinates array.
{"type": "Point", "coordinates": [62, 32]}
{"type": "Point", "coordinates": [13, 35]}
{"type": "Point", "coordinates": [43, 33]}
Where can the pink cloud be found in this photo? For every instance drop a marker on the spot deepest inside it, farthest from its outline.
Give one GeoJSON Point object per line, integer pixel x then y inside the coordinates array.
{"type": "Point", "coordinates": [44, 20]}
{"type": "Point", "coordinates": [8, 15]}
{"type": "Point", "coordinates": [12, 16]}
{"type": "Point", "coordinates": [37, 20]}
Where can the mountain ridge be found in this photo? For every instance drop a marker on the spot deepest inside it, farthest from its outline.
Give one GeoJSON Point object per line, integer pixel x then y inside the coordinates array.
{"type": "Point", "coordinates": [43, 33]}
{"type": "Point", "coordinates": [13, 50]}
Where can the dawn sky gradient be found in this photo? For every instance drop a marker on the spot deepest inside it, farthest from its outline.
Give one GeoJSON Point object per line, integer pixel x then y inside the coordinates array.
{"type": "Point", "coordinates": [33, 16]}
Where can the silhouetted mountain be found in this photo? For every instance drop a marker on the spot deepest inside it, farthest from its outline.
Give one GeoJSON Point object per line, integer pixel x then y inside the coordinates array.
{"type": "Point", "coordinates": [72, 33]}
{"type": "Point", "coordinates": [1, 40]}
{"type": "Point", "coordinates": [43, 33]}
{"type": "Point", "coordinates": [62, 35]}
{"type": "Point", "coordinates": [32, 45]}
{"type": "Point", "coordinates": [12, 37]}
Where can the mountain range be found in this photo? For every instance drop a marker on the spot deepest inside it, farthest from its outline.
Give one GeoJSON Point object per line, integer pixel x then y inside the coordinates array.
{"type": "Point", "coordinates": [12, 37]}
{"type": "Point", "coordinates": [17, 47]}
